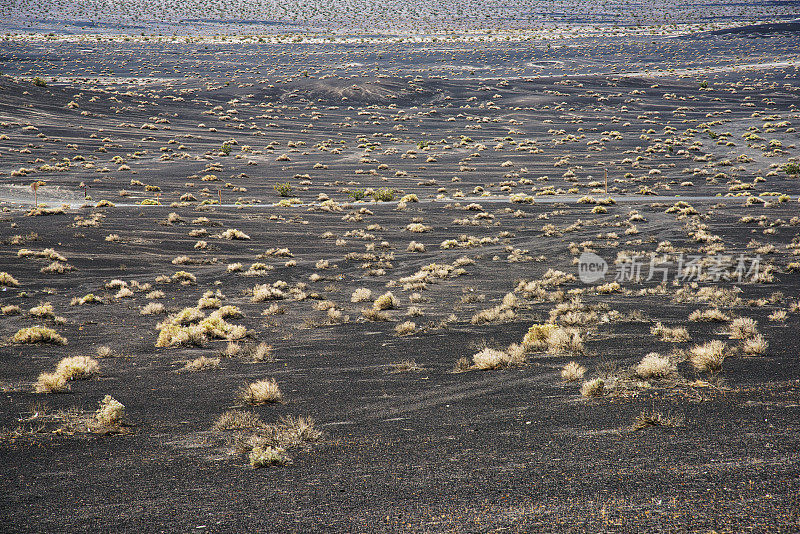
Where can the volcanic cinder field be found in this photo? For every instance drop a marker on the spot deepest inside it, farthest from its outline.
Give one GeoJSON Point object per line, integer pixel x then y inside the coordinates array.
{"type": "Point", "coordinates": [533, 271]}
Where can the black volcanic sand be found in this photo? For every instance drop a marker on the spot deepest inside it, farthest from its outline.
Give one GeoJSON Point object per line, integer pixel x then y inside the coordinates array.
{"type": "Point", "coordinates": [430, 450]}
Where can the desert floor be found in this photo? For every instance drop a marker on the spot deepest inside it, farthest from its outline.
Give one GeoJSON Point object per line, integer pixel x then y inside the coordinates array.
{"type": "Point", "coordinates": [466, 178]}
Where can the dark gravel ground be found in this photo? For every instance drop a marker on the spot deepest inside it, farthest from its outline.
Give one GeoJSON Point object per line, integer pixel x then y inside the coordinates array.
{"type": "Point", "coordinates": [424, 451]}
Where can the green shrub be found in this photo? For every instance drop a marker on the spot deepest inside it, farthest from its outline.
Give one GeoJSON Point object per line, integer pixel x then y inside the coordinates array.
{"type": "Point", "coordinates": [283, 189]}
{"type": "Point", "coordinates": [792, 168]}
{"type": "Point", "coordinates": [383, 195]}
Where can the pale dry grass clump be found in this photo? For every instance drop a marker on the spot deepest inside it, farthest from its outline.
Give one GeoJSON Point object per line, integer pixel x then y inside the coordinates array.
{"type": "Point", "coordinates": [708, 357]}
{"type": "Point", "coordinates": [266, 444]}
{"type": "Point", "coordinates": [238, 420]}
{"type": "Point", "coordinates": [44, 310]}
{"type": "Point", "coordinates": [234, 234]}
{"type": "Point", "coordinates": [124, 293]}
{"type": "Point", "coordinates": [152, 308]}
{"type": "Point", "coordinates": [405, 328]}
{"type": "Point", "coordinates": [57, 267]}
{"type": "Point", "coordinates": [173, 331]}
{"type": "Point", "coordinates": [8, 280]}
{"type": "Point", "coordinates": [415, 247]}
{"type": "Point", "coordinates": [51, 383]}
{"type": "Point", "coordinates": [262, 353]}
{"type": "Point", "coordinates": [497, 314]}
{"type": "Point", "coordinates": [11, 309]}
{"type": "Point", "coordinates": [677, 334]}
{"type": "Point", "coordinates": [778, 316]}
{"type": "Point", "coordinates": [653, 365]}
{"type": "Point", "coordinates": [755, 346]}
{"type": "Point", "coordinates": [375, 316]}
{"type": "Point", "coordinates": [362, 294]}
{"type": "Point", "coordinates": [593, 388]}
{"type": "Point", "coordinates": [266, 456]}
{"type": "Point", "coordinates": [572, 371]}
{"type": "Point", "coordinates": [267, 292]}
{"type": "Point", "coordinates": [262, 392]}
{"type": "Point", "coordinates": [497, 359]}
{"type": "Point", "coordinates": [111, 412]}
{"type": "Point", "coordinates": [651, 418]}
{"type": "Point", "coordinates": [201, 364]}
{"type": "Point", "coordinates": [711, 315]}
{"type": "Point", "coordinates": [231, 349]}
{"type": "Point", "coordinates": [387, 301]}
{"type": "Point", "coordinates": [180, 335]}
{"type": "Point", "coordinates": [77, 367]}
{"type": "Point", "coordinates": [406, 366]}
{"type": "Point", "coordinates": [89, 298]}
{"type": "Point", "coordinates": [565, 340]}
{"type": "Point", "coordinates": [537, 335]}
{"type": "Point", "coordinates": [743, 328]}
{"type": "Point", "coordinates": [38, 334]}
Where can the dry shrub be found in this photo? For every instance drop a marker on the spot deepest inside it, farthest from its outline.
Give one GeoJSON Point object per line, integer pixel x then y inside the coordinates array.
{"type": "Point", "coordinates": [490, 359]}
{"type": "Point", "coordinates": [593, 388]}
{"type": "Point", "coordinates": [755, 346]}
{"type": "Point", "coordinates": [111, 412]}
{"type": "Point", "coordinates": [405, 328]}
{"type": "Point", "coordinates": [650, 418]}
{"type": "Point", "coordinates": [77, 367]}
{"type": "Point", "coordinates": [51, 383]}
{"type": "Point", "coordinates": [537, 335]}
{"type": "Point", "coordinates": [233, 233]}
{"type": "Point", "coordinates": [362, 294]}
{"type": "Point", "coordinates": [262, 392]}
{"type": "Point", "coordinates": [262, 353]}
{"type": "Point", "coordinates": [267, 292]}
{"type": "Point", "coordinates": [152, 308]}
{"type": "Point", "coordinates": [124, 293]}
{"type": "Point", "coordinates": [38, 334]}
{"type": "Point", "coordinates": [565, 340]}
{"type": "Point", "coordinates": [200, 364]}
{"type": "Point", "coordinates": [89, 298]}
{"type": "Point", "coordinates": [231, 350]}
{"type": "Point", "coordinates": [654, 365]}
{"type": "Point", "coordinates": [572, 371]}
{"type": "Point", "coordinates": [708, 357]}
{"type": "Point", "coordinates": [180, 335]}
{"type": "Point", "coordinates": [406, 366]}
{"type": "Point", "coordinates": [375, 315]}
{"type": "Point", "coordinates": [238, 420]}
{"type": "Point", "coordinates": [8, 280]}
{"type": "Point", "coordinates": [57, 267]}
{"type": "Point", "coordinates": [710, 315]}
{"type": "Point", "coordinates": [677, 334]}
{"type": "Point", "coordinates": [387, 301]}
{"type": "Point", "coordinates": [11, 309]}
{"type": "Point", "coordinates": [743, 328]}
{"type": "Point", "coordinates": [43, 310]}
{"type": "Point", "coordinates": [497, 314]}
{"type": "Point", "coordinates": [266, 456]}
